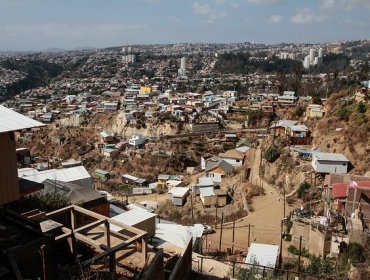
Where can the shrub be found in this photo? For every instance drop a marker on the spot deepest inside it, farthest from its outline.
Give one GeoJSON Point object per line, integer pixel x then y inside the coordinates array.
{"type": "Point", "coordinates": [361, 108]}
{"type": "Point", "coordinates": [343, 113]}
{"type": "Point", "coordinates": [302, 189]}
{"type": "Point", "coordinates": [271, 154]}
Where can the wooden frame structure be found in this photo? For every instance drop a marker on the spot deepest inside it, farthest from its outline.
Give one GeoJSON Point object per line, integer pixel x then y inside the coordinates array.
{"type": "Point", "coordinates": [75, 232]}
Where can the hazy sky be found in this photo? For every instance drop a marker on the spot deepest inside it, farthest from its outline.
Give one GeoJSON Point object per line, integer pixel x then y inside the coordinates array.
{"type": "Point", "coordinates": [40, 24]}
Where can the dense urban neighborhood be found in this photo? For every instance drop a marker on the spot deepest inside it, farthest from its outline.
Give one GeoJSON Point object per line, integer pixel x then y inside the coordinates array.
{"type": "Point", "coordinates": [186, 161]}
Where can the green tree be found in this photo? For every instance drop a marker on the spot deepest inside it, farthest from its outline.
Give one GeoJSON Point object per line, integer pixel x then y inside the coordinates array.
{"type": "Point", "coordinates": [271, 154]}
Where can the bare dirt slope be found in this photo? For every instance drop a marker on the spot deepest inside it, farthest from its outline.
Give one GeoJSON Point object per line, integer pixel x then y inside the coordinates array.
{"type": "Point", "coordinates": [265, 221]}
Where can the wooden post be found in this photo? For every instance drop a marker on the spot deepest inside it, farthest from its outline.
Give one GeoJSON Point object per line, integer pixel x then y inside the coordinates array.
{"type": "Point", "coordinates": [144, 250]}
{"type": "Point", "coordinates": [233, 269]}
{"type": "Point", "coordinates": [216, 216]}
{"type": "Point", "coordinates": [73, 220]}
{"type": "Point", "coordinates": [192, 209]}
{"type": "Point", "coordinates": [112, 265]}
{"type": "Point", "coordinates": [232, 243]}
{"type": "Point", "coordinates": [249, 234]}
{"type": "Point", "coordinates": [222, 223]}
{"type": "Point", "coordinates": [107, 233]}
{"type": "Point", "coordinates": [300, 253]}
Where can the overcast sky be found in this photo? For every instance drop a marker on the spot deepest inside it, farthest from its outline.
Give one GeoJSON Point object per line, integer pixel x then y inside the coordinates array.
{"type": "Point", "coordinates": [41, 24]}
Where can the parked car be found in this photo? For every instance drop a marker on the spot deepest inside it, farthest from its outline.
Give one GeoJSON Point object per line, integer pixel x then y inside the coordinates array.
{"type": "Point", "coordinates": [207, 229]}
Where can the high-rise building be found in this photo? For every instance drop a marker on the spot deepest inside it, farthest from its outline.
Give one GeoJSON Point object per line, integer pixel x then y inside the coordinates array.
{"type": "Point", "coordinates": [321, 52]}
{"type": "Point", "coordinates": [182, 70]}
{"type": "Point", "coordinates": [307, 62]}
{"type": "Point", "coordinates": [312, 56]}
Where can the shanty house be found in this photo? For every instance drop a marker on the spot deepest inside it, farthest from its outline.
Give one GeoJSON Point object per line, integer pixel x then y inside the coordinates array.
{"type": "Point", "coordinates": [77, 175]}
{"type": "Point", "coordinates": [84, 196]}
{"type": "Point", "coordinates": [330, 163]}
{"type": "Point", "coordinates": [178, 195]}
{"type": "Point", "coordinates": [234, 157]}
{"type": "Point", "coordinates": [217, 169]}
{"type": "Point", "coordinates": [132, 180]}
{"type": "Point", "coordinates": [207, 196]}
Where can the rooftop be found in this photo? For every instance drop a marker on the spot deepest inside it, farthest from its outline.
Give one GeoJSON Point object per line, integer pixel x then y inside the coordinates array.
{"type": "Point", "coordinates": [12, 121]}
{"type": "Point", "coordinates": [331, 157]}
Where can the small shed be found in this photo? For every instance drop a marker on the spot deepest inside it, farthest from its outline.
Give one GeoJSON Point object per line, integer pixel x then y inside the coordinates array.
{"type": "Point", "coordinates": [207, 196]}
{"type": "Point", "coordinates": [178, 195]}
{"type": "Point", "coordinates": [102, 174]}
{"type": "Point", "coordinates": [262, 254]}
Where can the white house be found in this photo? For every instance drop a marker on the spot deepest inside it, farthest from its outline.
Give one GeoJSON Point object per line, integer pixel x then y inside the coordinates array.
{"type": "Point", "coordinates": [178, 195]}
{"type": "Point", "coordinates": [217, 169]}
{"type": "Point", "coordinates": [288, 97]}
{"type": "Point", "coordinates": [136, 140]}
{"type": "Point", "coordinates": [234, 157]}
{"type": "Point", "coordinates": [330, 163]}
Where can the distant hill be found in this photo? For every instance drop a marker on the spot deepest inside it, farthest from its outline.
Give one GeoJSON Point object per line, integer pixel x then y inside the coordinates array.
{"type": "Point", "coordinates": [38, 72]}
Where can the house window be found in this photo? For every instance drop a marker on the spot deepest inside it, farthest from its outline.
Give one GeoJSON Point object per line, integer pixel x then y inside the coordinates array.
{"type": "Point", "coordinates": [238, 160]}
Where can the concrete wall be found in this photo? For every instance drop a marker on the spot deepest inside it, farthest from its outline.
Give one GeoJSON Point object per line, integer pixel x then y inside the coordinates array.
{"type": "Point", "coordinates": [9, 186]}
{"type": "Point", "coordinates": [315, 241]}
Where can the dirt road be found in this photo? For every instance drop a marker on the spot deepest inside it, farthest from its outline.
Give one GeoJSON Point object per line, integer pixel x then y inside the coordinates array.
{"type": "Point", "coordinates": [264, 221]}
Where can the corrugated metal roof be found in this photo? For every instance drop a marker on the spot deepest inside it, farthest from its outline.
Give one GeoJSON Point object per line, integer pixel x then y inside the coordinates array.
{"type": "Point", "coordinates": [177, 234]}
{"type": "Point", "coordinates": [262, 254]}
{"type": "Point", "coordinates": [179, 191]}
{"type": "Point", "coordinates": [11, 121]}
{"type": "Point", "coordinates": [208, 191]}
{"type": "Point", "coordinates": [331, 157]}
{"type": "Point", "coordinates": [64, 175]}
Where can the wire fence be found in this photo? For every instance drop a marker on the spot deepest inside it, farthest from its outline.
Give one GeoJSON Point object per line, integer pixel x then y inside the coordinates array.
{"type": "Point", "coordinates": [241, 270]}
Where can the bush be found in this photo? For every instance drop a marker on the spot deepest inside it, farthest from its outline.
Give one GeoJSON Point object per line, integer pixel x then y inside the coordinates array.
{"type": "Point", "coordinates": [302, 189]}
{"type": "Point", "coordinates": [355, 253]}
{"type": "Point", "coordinates": [361, 108]}
{"type": "Point", "coordinates": [271, 154]}
{"type": "Point", "coordinates": [343, 113]}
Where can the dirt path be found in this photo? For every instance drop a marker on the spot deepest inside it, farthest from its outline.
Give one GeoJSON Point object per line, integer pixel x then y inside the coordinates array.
{"type": "Point", "coordinates": [265, 220]}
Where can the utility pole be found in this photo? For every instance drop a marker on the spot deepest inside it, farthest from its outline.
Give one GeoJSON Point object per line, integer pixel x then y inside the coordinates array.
{"type": "Point", "coordinates": [216, 214]}
{"type": "Point", "coordinates": [281, 245]}
{"type": "Point", "coordinates": [249, 234]}
{"type": "Point", "coordinates": [300, 253]}
{"type": "Point", "coordinates": [192, 209]}
{"type": "Point", "coordinates": [222, 223]}
{"type": "Point", "coordinates": [232, 243]}
{"type": "Point", "coordinates": [284, 203]}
